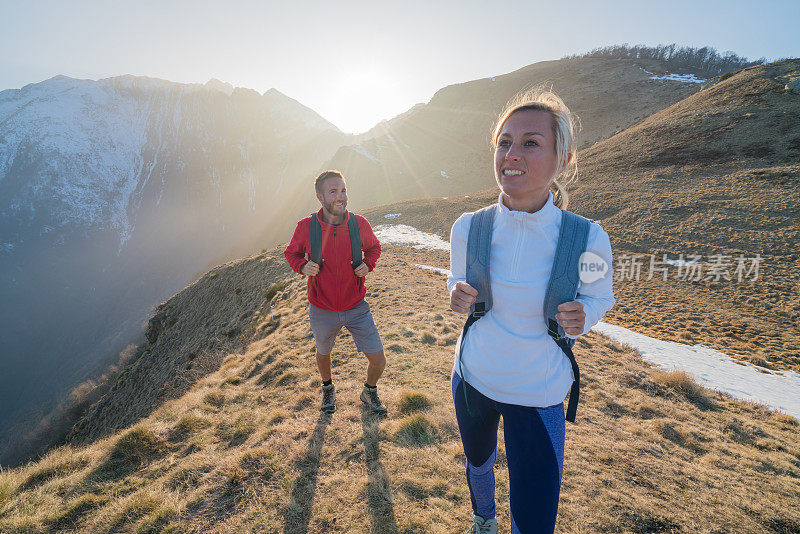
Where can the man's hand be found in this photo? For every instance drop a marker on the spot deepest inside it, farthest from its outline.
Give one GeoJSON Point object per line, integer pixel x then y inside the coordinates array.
{"type": "Point", "coordinates": [311, 269]}
{"type": "Point", "coordinates": [462, 297]}
{"type": "Point", "coordinates": [361, 270]}
{"type": "Point", "coordinates": [571, 317]}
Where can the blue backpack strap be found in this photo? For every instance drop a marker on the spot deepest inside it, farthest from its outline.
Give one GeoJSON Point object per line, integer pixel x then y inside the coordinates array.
{"type": "Point", "coordinates": [479, 246]}
{"type": "Point", "coordinates": [315, 254]}
{"type": "Point", "coordinates": [563, 287]}
{"type": "Point", "coordinates": [355, 239]}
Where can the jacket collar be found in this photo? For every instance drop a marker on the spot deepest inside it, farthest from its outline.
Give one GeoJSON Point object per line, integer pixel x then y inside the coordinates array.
{"type": "Point", "coordinates": [548, 213]}
{"type": "Point", "coordinates": [323, 223]}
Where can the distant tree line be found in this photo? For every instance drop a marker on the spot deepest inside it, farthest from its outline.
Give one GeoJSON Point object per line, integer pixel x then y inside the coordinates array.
{"type": "Point", "coordinates": [706, 59]}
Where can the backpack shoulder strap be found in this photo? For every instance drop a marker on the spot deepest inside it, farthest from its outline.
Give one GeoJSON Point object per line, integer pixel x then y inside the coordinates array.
{"type": "Point", "coordinates": [355, 239]}
{"type": "Point", "coordinates": [479, 245]}
{"type": "Point", "coordinates": [315, 254]}
{"type": "Point", "coordinates": [563, 287]}
{"type": "Point", "coordinates": [565, 273]}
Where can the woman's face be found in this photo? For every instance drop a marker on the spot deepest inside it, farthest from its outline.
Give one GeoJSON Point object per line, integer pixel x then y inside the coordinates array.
{"type": "Point", "coordinates": [525, 159]}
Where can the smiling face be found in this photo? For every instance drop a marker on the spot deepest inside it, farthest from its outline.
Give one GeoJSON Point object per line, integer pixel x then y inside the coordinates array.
{"type": "Point", "coordinates": [525, 159]}
{"type": "Point", "coordinates": [333, 198]}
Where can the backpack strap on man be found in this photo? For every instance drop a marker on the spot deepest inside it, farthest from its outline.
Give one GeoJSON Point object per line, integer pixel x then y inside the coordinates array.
{"type": "Point", "coordinates": [479, 246]}
{"type": "Point", "coordinates": [315, 254]}
{"type": "Point", "coordinates": [563, 287]}
{"type": "Point", "coordinates": [355, 239]}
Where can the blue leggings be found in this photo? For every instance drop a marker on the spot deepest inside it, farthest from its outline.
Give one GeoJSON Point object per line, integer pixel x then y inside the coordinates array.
{"type": "Point", "coordinates": [534, 439]}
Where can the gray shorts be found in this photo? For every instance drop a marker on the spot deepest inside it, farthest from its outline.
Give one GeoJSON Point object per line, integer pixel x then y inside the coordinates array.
{"type": "Point", "coordinates": [325, 325]}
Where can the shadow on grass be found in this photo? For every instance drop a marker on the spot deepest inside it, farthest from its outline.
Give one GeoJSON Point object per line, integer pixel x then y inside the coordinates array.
{"type": "Point", "coordinates": [298, 514]}
{"type": "Point", "coordinates": [136, 449]}
{"type": "Point", "coordinates": [379, 491]}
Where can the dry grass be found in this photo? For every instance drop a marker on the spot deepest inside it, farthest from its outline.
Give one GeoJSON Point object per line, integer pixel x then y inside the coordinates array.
{"type": "Point", "coordinates": [242, 446]}
{"type": "Point", "coordinates": [414, 401]}
{"type": "Point", "coordinates": [271, 463]}
{"type": "Point", "coordinates": [416, 430]}
{"type": "Point", "coordinates": [686, 180]}
{"type": "Point", "coordinates": [684, 384]}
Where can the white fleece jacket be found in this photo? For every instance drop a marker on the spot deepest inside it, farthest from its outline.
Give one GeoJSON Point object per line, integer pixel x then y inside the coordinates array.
{"type": "Point", "coordinates": [508, 355]}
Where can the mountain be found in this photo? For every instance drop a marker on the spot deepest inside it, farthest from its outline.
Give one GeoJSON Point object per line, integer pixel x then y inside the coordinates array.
{"type": "Point", "coordinates": [212, 425]}
{"type": "Point", "coordinates": [439, 148]}
{"type": "Point", "coordinates": [114, 194]}
{"type": "Point", "coordinates": [715, 175]}
{"type": "Point", "coordinates": [197, 436]}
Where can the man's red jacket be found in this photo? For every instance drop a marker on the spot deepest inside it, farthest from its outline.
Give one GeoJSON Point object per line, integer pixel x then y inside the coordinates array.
{"type": "Point", "coordinates": [336, 287]}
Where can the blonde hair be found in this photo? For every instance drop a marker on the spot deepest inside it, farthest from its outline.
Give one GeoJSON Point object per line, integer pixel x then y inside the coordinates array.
{"type": "Point", "coordinates": [542, 98]}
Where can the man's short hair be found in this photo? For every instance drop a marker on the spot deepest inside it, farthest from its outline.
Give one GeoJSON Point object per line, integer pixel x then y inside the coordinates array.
{"type": "Point", "coordinates": [324, 176]}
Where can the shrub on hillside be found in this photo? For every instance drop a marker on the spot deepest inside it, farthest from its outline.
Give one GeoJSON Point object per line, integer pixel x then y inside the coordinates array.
{"type": "Point", "coordinates": [428, 338]}
{"type": "Point", "coordinates": [134, 450]}
{"type": "Point", "coordinates": [705, 58]}
{"type": "Point", "coordinates": [189, 424]}
{"type": "Point", "coordinates": [79, 508]}
{"type": "Point", "coordinates": [237, 431]}
{"type": "Point", "coordinates": [136, 508]}
{"type": "Point", "coordinates": [416, 431]}
{"type": "Point", "coordinates": [683, 383]}
{"type": "Point", "coordinates": [215, 399]}
{"type": "Point", "coordinates": [414, 401]}
{"type": "Point", "coordinates": [274, 288]}
{"type": "Point", "coordinates": [57, 469]}
{"type": "Point", "coordinates": [6, 491]}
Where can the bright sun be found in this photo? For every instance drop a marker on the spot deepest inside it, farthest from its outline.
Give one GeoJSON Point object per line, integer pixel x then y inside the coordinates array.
{"type": "Point", "coordinates": [363, 95]}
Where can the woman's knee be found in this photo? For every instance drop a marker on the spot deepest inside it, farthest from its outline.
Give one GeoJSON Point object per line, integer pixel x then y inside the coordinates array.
{"type": "Point", "coordinates": [485, 467]}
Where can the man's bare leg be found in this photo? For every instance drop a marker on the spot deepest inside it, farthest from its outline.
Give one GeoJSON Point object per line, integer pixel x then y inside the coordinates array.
{"type": "Point", "coordinates": [375, 366]}
{"type": "Point", "coordinates": [324, 366]}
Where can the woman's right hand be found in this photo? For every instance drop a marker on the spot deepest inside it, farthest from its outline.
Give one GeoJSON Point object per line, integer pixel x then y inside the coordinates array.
{"type": "Point", "coordinates": [462, 297]}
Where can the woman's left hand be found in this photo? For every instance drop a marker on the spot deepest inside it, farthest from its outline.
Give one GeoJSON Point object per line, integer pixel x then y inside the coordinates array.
{"type": "Point", "coordinates": [571, 317]}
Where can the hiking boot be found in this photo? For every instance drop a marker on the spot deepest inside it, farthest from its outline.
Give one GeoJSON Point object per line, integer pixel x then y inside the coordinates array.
{"type": "Point", "coordinates": [328, 399]}
{"type": "Point", "coordinates": [369, 396]}
{"type": "Point", "coordinates": [481, 525]}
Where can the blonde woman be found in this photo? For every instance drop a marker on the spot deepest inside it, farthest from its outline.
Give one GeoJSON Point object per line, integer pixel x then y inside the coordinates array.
{"type": "Point", "coordinates": [510, 364]}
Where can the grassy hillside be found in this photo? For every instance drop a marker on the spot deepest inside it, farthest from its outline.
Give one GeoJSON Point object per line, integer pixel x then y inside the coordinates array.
{"type": "Point", "coordinates": [442, 147]}
{"type": "Point", "coordinates": [213, 426]}
{"type": "Point", "coordinates": [245, 448]}
{"type": "Point", "coordinates": [716, 173]}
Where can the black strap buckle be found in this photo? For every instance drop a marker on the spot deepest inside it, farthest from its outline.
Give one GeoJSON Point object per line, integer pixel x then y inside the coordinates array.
{"type": "Point", "coordinates": [480, 309]}
{"type": "Point", "coordinates": [552, 329]}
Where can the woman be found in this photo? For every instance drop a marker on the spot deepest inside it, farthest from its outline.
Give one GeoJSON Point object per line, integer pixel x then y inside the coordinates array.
{"type": "Point", "coordinates": [513, 368]}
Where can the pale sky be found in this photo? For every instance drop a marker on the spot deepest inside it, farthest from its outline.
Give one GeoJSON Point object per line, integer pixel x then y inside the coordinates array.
{"type": "Point", "coordinates": [358, 62]}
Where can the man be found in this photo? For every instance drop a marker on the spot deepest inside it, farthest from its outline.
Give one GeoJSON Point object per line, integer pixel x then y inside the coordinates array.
{"type": "Point", "coordinates": [336, 287]}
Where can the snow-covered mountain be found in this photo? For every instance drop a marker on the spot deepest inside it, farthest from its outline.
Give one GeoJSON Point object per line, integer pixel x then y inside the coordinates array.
{"type": "Point", "coordinates": [114, 193]}
{"type": "Point", "coordinates": [82, 153]}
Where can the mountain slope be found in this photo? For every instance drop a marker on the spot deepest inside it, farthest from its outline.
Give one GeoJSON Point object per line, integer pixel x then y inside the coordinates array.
{"type": "Point", "coordinates": [715, 174]}
{"type": "Point", "coordinates": [114, 194]}
{"type": "Point", "coordinates": [246, 448]}
{"type": "Point", "coordinates": [441, 148]}
{"type": "Point", "coordinates": [729, 186]}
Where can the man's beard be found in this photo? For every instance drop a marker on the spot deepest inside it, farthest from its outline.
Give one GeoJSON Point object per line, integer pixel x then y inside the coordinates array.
{"type": "Point", "coordinates": [335, 210]}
